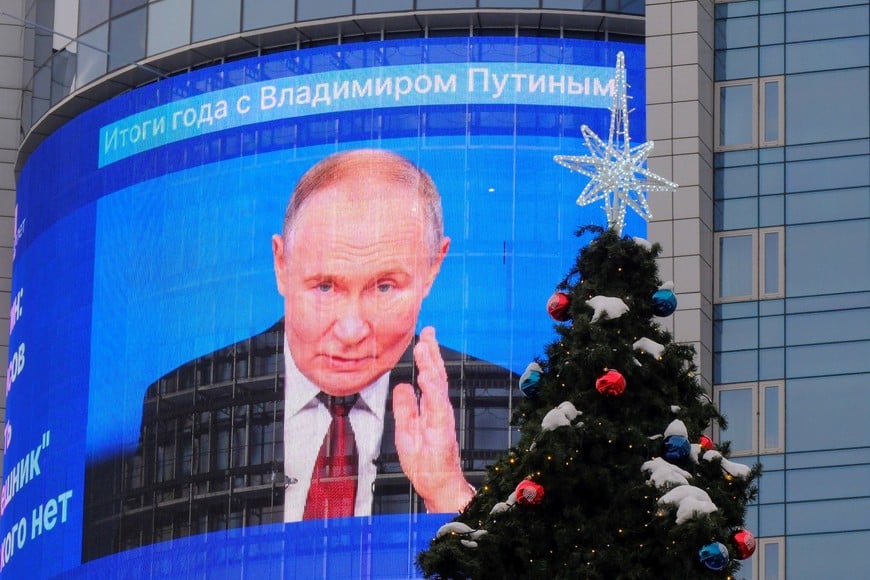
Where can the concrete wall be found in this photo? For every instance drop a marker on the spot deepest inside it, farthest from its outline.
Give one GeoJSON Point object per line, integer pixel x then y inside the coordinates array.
{"type": "Point", "coordinates": [679, 75]}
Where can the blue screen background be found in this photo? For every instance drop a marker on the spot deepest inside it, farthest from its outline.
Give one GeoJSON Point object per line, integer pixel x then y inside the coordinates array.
{"type": "Point", "coordinates": [132, 268]}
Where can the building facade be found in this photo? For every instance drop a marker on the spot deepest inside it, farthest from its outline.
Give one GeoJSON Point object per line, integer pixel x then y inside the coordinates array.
{"type": "Point", "coordinates": [759, 111]}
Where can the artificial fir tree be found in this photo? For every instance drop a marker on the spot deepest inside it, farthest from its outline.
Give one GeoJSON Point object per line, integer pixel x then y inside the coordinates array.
{"type": "Point", "coordinates": [613, 476]}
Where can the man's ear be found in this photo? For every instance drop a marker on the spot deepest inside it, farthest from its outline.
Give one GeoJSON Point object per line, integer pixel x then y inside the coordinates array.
{"type": "Point", "coordinates": [279, 262]}
{"type": "Point", "coordinates": [435, 267]}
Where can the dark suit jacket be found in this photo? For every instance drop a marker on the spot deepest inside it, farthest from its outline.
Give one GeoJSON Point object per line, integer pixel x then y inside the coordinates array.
{"type": "Point", "coordinates": [210, 453]}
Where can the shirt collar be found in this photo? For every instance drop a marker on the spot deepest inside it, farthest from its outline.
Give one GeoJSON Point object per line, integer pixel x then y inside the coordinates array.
{"type": "Point", "coordinates": [301, 393]}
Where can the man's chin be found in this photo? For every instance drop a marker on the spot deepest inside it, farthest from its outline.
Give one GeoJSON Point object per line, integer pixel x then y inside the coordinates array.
{"type": "Point", "coordinates": [337, 389]}
{"type": "Point", "coordinates": [342, 384]}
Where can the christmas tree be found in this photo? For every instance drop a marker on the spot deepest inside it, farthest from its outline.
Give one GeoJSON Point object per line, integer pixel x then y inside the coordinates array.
{"type": "Point", "coordinates": [613, 475]}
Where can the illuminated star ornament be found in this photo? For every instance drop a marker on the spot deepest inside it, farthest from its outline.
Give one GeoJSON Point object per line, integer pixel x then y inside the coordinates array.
{"type": "Point", "coordinates": [616, 169]}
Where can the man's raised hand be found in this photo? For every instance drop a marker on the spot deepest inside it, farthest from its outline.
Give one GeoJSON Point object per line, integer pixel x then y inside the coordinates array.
{"type": "Point", "coordinates": [426, 433]}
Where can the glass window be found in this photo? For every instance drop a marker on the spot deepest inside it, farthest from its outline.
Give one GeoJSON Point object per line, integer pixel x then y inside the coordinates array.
{"type": "Point", "coordinates": [313, 9]}
{"type": "Point", "coordinates": [736, 269]}
{"type": "Point", "coordinates": [828, 326]}
{"type": "Point", "coordinates": [839, 53]}
{"type": "Point", "coordinates": [264, 13]}
{"type": "Point", "coordinates": [828, 412]}
{"type": "Point", "coordinates": [127, 39]}
{"type": "Point", "coordinates": [822, 258]}
{"type": "Point", "coordinates": [408, 5]}
{"type": "Point", "coordinates": [747, 259]}
{"type": "Point", "coordinates": [772, 408]}
{"type": "Point", "coordinates": [771, 487]}
{"type": "Point", "coordinates": [771, 363]}
{"type": "Point", "coordinates": [770, 558]}
{"type": "Point", "coordinates": [736, 214]}
{"type": "Point", "coordinates": [771, 210]}
{"type": "Point", "coordinates": [755, 414]}
{"type": "Point", "coordinates": [737, 405]}
{"type": "Point", "coordinates": [168, 25]}
{"type": "Point", "coordinates": [749, 113]}
{"type": "Point", "coordinates": [771, 60]}
{"type": "Point", "coordinates": [819, 517]}
{"type": "Point", "coordinates": [741, 181]}
{"type": "Point", "coordinates": [442, 4]}
{"type": "Point", "coordinates": [214, 18]}
{"type": "Point", "coordinates": [736, 63]}
{"type": "Point", "coordinates": [771, 179]}
{"type": "Point", "coordinates": [825, 483]}
{"type": "Point", "coordinates": [736, 32]}
{"type": "Point", "coordinates": [826, 174]}
{"type": "Point", "coordinates": [771, 258]}
{"type": "Point", "coordinates": [92, 58]}
{"type": "Point", "coordinates": [770, 331]}
{"type": "Point", "coordinates": [122, 6]}
{"type": "Point", "coordinates": [92, 12]}
{"type": "Point", "coordinates": [843, 552]}
{"type": "Point", "coordinates": [739, 334]}
{"type": "Point", "coordinates": [65, 19]}
{"type": "Point", "coordinates": [820, 112]}
{"type": "Point", "coordinates": [63, 72]}
{"type": "Point", "coordinates": [772, 113]}
{"type": "Point", "coordinates": [772, 29]}
{"type": "Point", "coordinates": [737, 366]}
{"type": "Point", "coordinates": [736, 115]}
{"type": "Point", "coordinates": [834, 23]}
{"type": "Point", "coordinates": [828, 359]}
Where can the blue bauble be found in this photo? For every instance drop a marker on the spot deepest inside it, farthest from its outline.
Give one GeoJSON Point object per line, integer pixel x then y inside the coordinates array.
{"type": "Point", "coordinates": [714, 556]}
{"type": "Point", "coordinates": [677, 447]}
{"type": "Point", "coordinates": [530, 379]}
{"type": "Point", "coordinates": [664, 302]}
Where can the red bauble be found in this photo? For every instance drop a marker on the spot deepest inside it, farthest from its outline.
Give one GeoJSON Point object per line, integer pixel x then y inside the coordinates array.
{"type": "Point", "coordinates": [610, 383]}
{"type": "Point", "coordinates": [558, 306]}
{"type": "Point", "coordinates": [744, 541]}
{"type": "Point", "coordinates": [705, 442]}
{"type": "Point", "coordinates": [529, 493]}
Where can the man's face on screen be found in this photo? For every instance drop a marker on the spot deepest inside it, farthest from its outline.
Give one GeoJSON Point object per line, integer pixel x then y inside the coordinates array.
{"type": "Point", "coordinates": [353, 277]}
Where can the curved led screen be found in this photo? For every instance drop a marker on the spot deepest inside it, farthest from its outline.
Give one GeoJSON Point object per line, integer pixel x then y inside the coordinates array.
{"type": "Point", "coordinates": [193, 364]}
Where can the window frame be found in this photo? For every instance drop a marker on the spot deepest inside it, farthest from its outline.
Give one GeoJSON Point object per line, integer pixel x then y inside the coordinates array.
{"type": "Point", "coordinates": [759, 266]}
{"type": "Point", "coordinates": [780, 111]}
{"type": "Point", "coordinates": [762, 415]}
{"type": "Point", "coordinates": [758, 559]}
{"type": "Point", "coordinates": [761, 274]}
{"type": "Point", "coordinates": [759, 429]}
{"type": "Point", "coordinates": [758, 121]}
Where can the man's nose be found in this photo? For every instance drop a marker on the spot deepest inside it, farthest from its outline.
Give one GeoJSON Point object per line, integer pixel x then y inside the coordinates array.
{"type": "Point", "coordinates": [351, 323]}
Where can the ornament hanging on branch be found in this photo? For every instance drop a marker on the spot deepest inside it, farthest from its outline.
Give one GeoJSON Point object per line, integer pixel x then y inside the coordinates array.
{"type": "Point", "coordinates": [744, 541]}
{"type": "Point", "coordinates": [558, 306]}
{"type": "Point", "coordinates": [530, 379]}
{"type": "Point", "coordinates": [714, 556]}
{"type": "Point", "coordinates": [676, 443]}
{"type": "Point", "coordinates": [705, 442]}
{"type": "Point", "coordinates": [677, 448]}
{"type": "Point", "coordinates": [611, 383]}
{"type": "Point", "coordinates": [529, 493]}
{"type": "Point", "coordinates": [664, 302]}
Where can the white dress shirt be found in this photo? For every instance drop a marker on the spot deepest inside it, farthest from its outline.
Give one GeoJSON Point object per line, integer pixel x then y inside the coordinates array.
{"type": "Point", "coordinates": [306, 421]}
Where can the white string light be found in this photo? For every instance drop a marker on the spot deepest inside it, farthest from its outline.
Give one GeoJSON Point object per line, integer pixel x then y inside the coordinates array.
{"type": "Point", "coordinates": [616, 169]}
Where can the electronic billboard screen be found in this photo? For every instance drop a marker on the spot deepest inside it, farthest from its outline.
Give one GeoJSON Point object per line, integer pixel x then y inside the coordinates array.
{"type": "Point", "coordinates": [268, 316]}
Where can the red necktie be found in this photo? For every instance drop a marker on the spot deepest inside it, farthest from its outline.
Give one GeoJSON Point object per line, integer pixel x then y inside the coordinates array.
{"type": "Point", "coordinates": [333, 482]}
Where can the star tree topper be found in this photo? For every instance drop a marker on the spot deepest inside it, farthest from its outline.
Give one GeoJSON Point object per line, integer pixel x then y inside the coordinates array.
{"type": "Point", "coordinates": [616, 169]}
